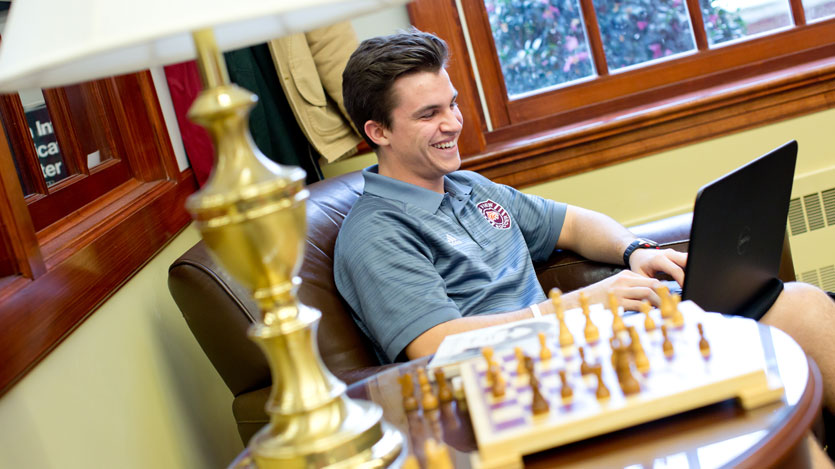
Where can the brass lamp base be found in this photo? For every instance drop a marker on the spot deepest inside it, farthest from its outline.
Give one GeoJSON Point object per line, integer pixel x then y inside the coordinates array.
{"type": "Point", "coordinates": [251, 215]}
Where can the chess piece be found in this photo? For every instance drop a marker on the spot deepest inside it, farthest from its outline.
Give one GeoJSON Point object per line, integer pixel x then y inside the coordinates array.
{"type": "Point", "coordinates": [617, 321]}
{"type": "Point", "coordinates": [444, 391]}
{"type": "Point", "coordinates": [566, 339]}
{"type": "Point", "coordinates": [591, 332]}
{"type": "Point", "coordinates": [638, 353]}
{"type": "Point", "coordinates": [499, 385]}
{"type": "Point", "coordinates": [487, 352]}
{"type": "Point", "coordinates": [544, 351]}
{"type": "Point", "coordinates": [429, 400]}
{"type": "Point", "coordinates": [664, 293]}
{"type": "Point", "coordinates": [565, 390]}
{"type": "Point", "coordinates": [704, 347]}
{"type": "Point", "coordinates": [649, 324]}
{"type": "Point", "coordinates": [555, 295]}
{"type": "Point", "coordinates": [628, 384]}
{"type": "Point", "coordinates": [539, 405]}
{"type": "Point", "coordinates": [585, 369]}
{"type": "Point", "coordinates": [676, 316]}
{"type": "Point", "coordinates": [437, 455]}
{"type": "Point", "coordinates": [602, 391]}
{"type": "Point", "coordinates": [667, 345]}
{"type": "Point", "coordinates": [407, 389]}
{"type": "Point", "coordinates": [520, 361]}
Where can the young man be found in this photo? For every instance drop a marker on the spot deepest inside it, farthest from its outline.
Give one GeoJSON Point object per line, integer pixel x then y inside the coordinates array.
{"type": "Point", "coordinates": [430, 251]}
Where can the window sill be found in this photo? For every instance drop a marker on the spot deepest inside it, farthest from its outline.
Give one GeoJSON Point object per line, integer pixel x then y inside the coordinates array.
{"type": "Point", "coordinates": [520, 156]}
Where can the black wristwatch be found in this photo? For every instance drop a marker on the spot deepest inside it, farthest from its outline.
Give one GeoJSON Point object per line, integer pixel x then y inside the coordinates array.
{"type": "Point", "coordinates": [639, 243]}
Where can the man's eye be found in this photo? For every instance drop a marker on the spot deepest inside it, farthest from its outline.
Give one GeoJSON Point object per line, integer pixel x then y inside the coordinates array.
{"type": "Point", "coordinates": [428, 115]}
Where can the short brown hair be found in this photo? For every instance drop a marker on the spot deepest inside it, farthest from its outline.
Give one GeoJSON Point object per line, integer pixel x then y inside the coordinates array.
{"type": "Point", "coordinates": [374, 67]}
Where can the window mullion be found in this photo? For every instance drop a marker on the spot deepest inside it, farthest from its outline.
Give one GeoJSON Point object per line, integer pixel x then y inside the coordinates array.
{"type": "Point", "coordinates": [16, 221]}
{"type": "Point", "coordinates": [798, 13]}
{"type": "Point", "coordinates": [594, 37]}
{"type": "Point", "coordinates": [698, 24]}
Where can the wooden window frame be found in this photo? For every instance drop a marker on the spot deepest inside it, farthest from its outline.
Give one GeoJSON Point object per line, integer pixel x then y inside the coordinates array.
{"type": "Point", "coordinates": [618, 117]}
{"type": "Point", "coordinates": [55, 277]}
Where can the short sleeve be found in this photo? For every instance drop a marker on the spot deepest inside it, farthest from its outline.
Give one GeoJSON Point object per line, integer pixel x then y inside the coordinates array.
{"type": "Point", "coordinates": [384, 270]}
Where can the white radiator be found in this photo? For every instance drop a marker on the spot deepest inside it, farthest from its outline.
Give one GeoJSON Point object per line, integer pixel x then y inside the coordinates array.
{"type": "Point", "coordinates": [811, 227]}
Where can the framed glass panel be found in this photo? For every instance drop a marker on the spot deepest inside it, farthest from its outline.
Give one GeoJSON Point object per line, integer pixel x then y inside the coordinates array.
{"type": "Point", "coordinates": [727, 20]}
{"type": "Point", "coordinates": [641, 31]}
{"type": "Point", "coordinates": [818, 9]}
{"type": "Point", "coordinates": [540, 44]}
{"type": "Point", "coordinates": [42, 130]}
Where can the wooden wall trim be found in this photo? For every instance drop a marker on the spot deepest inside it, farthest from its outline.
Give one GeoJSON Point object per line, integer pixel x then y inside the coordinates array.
{"type": "Point", "coordinates": [42, 312]}
{"type": "Point", "coordinates": [590, 145]}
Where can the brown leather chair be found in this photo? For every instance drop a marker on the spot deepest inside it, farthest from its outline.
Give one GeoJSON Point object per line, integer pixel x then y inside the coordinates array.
{"type": "Point", "coordinates": [219, 311]}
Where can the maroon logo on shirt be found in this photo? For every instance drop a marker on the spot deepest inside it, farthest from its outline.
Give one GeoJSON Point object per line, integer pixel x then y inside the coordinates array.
{"type": "Point", "coordinates": [495, 214]}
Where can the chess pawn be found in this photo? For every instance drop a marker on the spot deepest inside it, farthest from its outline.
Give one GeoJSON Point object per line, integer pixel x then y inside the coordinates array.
{"type": "Point", "coordinates": [704, 347]}
{"type": "Point", "coordinates": [498, 387]}
{"type": "Point", "coordinates": [487, 352]}
{"type": "Point", "coordinates": [628, 384]}
{"type": "Point", "coordinates": [520, 361]}
{"type": "Point", "coordinates": [667, 345]}
{"type": "Point", "coordinates": [617, 321]}
{"type": "Point", "coordinates": [444, 391]}
{"type": "Point", "coordinates": [565, 389]}
{"type": "Point", "coordinates": [677, 317]}
{"type": "Point", "coordinates": [585, 369]}
{"type": "Point", "coordinates": [641, 361]}
{"type": "Point", "coordinates": [544, 351]}
{"type": "Point", "coordinates": [429, 401]}
{"type": "Point", "coordinates": [566, 339]}
{"type": "Point", "coordinates": [649, 324]}
{"type": "Point", "coordinates": [407, 389]}
{"type": "Point", "coordinates": [591, 332]}
{"type": "Point", "coordinates": [664, 293]}
{"type": "Point", "coordinates": [555, 295]}
{"type": "Point", "coordinates": [602, 391]}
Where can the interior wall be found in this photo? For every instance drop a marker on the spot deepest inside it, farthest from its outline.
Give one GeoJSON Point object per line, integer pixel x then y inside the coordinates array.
{"type": "Point", "coordinates": [130, 388]}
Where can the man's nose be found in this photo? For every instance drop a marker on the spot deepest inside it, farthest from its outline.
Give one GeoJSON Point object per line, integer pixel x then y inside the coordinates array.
{"type": "Point", "coordinates": [452, 121]}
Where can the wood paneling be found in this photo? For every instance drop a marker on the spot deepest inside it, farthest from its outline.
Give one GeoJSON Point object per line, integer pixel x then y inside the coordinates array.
{"type": "Point", "coordinates": [38, 316]}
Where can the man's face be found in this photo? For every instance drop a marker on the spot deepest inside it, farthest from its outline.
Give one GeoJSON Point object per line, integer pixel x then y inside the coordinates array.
{"type": "Point", "coordinates": [425, 125]}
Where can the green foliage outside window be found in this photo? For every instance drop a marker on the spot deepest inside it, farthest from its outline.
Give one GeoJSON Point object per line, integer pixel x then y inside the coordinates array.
{"type": "Point", "coordinates": [542, 43]}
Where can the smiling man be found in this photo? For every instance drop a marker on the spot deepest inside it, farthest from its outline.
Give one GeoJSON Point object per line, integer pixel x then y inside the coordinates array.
{"type": "Point", "coordinates": [430, 251]}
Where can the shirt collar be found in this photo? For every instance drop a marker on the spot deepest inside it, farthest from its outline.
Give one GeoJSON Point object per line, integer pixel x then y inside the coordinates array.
{"type": "Point", "coordinates": [391, 188]}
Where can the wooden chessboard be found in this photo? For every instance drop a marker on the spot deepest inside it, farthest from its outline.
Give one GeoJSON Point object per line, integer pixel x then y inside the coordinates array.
{"type": "Point", "coordinates": [506, 429]}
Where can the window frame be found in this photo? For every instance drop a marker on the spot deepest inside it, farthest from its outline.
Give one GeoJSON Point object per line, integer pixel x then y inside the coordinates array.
{"type": "Point", "coordinates": [627, 115]}
{"type": "Point", "coordinates": [64, 271]}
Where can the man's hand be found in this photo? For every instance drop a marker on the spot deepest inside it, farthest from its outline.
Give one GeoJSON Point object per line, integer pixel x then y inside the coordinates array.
{"type": "Point", "coordinates": [629, 288]}
{"type": "Point", "coordinates": [648, 262]}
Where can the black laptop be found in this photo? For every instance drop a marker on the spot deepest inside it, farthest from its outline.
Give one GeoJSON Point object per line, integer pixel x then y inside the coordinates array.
{"type": "Point", "coordinates": [739, 224]}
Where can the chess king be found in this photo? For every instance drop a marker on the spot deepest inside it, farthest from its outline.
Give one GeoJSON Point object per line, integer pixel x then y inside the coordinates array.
{"type": "Point", "coordinates": [429, 250]}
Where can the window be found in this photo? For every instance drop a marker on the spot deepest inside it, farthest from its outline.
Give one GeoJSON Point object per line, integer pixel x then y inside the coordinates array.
{"type": "Point", "coordinates": [90, 191]}
{"type": "Point", "coordinates": [571, 85]}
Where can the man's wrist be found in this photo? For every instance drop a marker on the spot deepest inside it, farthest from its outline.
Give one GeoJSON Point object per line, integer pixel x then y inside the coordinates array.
{"type": "Point", "coordinates": [637, 243]}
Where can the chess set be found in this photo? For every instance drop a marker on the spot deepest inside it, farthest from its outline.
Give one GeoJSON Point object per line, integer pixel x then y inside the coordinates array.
{"type": "Point", "coordinates": [607, 372]}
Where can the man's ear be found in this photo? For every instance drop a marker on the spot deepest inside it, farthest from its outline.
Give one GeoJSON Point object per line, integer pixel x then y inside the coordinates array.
{"type": "Point", "coordinates": [376, 132]}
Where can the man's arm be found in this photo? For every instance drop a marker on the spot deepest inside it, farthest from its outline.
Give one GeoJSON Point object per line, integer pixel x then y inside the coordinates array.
{"type": "Point", "coordinates": [598, 237]}
{"type": "Point", "coordinates": [428, 342]}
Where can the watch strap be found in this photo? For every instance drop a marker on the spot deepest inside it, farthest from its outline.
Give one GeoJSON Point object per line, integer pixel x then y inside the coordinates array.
{"type": "Point", "coordinates": [638, 243]}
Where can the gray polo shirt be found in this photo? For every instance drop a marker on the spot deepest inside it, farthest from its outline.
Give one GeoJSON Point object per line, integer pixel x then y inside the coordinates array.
{"type": "Point", "coordinates": [407, 259]}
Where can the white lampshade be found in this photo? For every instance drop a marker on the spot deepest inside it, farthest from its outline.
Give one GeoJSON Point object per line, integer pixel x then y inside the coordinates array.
{"type": "Point", "coordinates": [48, 43]}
